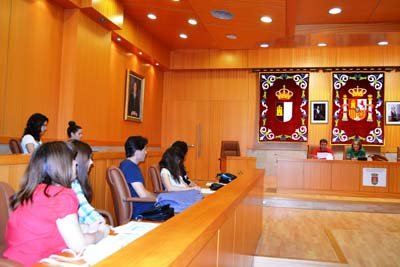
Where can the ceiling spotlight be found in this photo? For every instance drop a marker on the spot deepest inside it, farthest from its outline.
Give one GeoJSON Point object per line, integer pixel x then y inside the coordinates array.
{"type": "Point", "coordinates": [157, 64]}
{"type": "Point", "coordinates": [119, 39]}
{"type": "Point", "coordinates": [151, 16]}
{"type": "Point", "coordinates": [335, 11]}
{"type": "Point", "coordinates": [264, 45]}
{"type": "Point", "coordinates": [322, 44]}
{"type": "Point", "coordinates": [231, 36]}
{"type": "Point", "coordinates": [183, 36]}
{"type": "Point", "coordinates": [383, 43]}
{"type": "Point", "coordinates": [140, 53]}
{"type": "Point", "coordinates": [192, 21]}
{"type": "Point", "coordinates": [222, 14]}
{"type": "Point", "coordinates": [266, 19]}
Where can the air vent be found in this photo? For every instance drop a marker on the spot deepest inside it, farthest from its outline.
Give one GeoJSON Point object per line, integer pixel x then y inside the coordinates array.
{"type": "Point", "coordinates": [222, 14]}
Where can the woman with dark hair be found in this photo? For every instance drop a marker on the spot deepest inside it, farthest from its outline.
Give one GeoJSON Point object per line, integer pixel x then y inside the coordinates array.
{"type": "Point", "coordinates": [44, 220]}
{"type": "Point", "coordinates": [171, 174]}
{"type": "Point", "coordinates": [182, 149]}
{"type": "Point", "coordinates": [74, 131]}
{"type": "Point", "coordinates": [36, 126]}
{"type": "Point", "coordinates": [89, 219]}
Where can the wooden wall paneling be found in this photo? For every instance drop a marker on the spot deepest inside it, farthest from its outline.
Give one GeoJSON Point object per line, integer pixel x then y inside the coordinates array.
{"type": "Point", "coordinates": [317, 175]}
{"type": "Point", "coordinates": [377, 189]}
{"type": "Point", "coordinates": [208, 256]}
{"type": "Point", "coordinates": [110, 10]}
{"type": "Point", "coordinates": [189, 59]}
{"type": "Point", "coordinates": [252, 110]}
{"type": "Point", "coordinates": [394, 183]}
{"type": "Point", "coordinates": [345, 176]}
{"type": "Point", "coordinates": [5, 14]}
{"type": "Point", "coordinates": [391, 55]}
{"type": "Point", "coordinates": [240, 221]}
{"type": "Point", "coordinates": [226, 59]}
{"type": "Point", "coordinates": [290, 174]}
{"type": "Point", "coordinates": [392, 80]}
{"type": "Point", "coordinates": [33, 65]}
{"type": "Point", "coordinates": [227, 242]}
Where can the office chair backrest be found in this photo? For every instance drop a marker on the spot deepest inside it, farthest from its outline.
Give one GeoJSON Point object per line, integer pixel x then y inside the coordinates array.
{"type": "Point", "coordinates": [5, 192]}
{"type": "Point", "coordinates": [398, 153]}
{"type": "Point", "coordinates": [230, 148]}
{"type": "Point", "coordinates": [15, 146]}
{"type": "Point", "coordinates": [119, 192]}
{"type": "Point", "coordinates": [154, 173]}
{"type": "Point", "coordinates": [345, 148]}
{"type": "Point", "coordinates": [377, 157]}
{"type": "Point", "coordinates": [310, 149]}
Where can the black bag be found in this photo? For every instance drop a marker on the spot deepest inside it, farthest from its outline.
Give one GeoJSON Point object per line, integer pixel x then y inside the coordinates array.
{"type": "Point", "coordinates": [215, 186]}
{"type": "Point", "coordinates": [226, 177]}
{"type": "Point", "coordinates": [160, 213]}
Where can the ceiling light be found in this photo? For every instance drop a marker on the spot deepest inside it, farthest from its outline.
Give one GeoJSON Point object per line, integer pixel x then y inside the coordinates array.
{"type": "Point", "coordinates": [266, 19]}
{"type": "Point", "coordinates": [129, 54]}
{"type": "Point", "coordinates": [264, 45]}
{"type": "Point", "coordinates": [231, 36]}
{"type": "Point", "coordinates": [151, 16]}
{"type": "Point", "coordinates": [383, 43]}
{"type": "Point", "coordinates": [322, 44]}
{"type": "Point", "coordinates": [192, 21]}
{"type": "Point", "coordinates": [157, 63]}
{"type": "Point", "coordinates": [175, 0]}
{"type": "Point", "coordinates": [119, 39]}
{"type": "Point", "coordinates": [222, 14]}
{"type": "Point", "coordinates": [335, 11]}
{"type": "Point", "coordinates": [183, 36]}
{"type": "Point", "coordinates": [140, 53]}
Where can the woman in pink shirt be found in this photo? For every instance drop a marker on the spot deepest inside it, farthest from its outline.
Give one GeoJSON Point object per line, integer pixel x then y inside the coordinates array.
{"type": "Point", "coordinates": [44, 219]}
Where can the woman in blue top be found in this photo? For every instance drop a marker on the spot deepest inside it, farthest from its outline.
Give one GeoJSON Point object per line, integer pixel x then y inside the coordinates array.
{"type": "Point", "coordinates": [355, 151]}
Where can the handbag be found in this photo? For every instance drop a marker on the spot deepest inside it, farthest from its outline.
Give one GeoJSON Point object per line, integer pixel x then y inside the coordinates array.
{"type": "Point", "coordinates": [158, 213]}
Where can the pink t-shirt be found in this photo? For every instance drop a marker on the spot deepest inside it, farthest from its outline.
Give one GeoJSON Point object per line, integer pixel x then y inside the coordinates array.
{"type": "Point", "coordinates": [31, 232]}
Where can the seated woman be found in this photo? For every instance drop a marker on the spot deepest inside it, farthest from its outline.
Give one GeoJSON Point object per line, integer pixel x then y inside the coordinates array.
{"type": "Point", "coordinates": [89, 219]}
{"type": "Point", "coordinates": [355, 151]}
{"type": "Point", "coordinates": [171, 174]}
{"type": "Point", "coordinates": [323, 151]}
{"type": "Point", "coordinates": [182, 148]}
{"type": "Point", "coordinates": [36, 126]}
{"type": "Point", "coordinates": [44, 220]}
{"type": "Point", "coordinates": [74, 131]}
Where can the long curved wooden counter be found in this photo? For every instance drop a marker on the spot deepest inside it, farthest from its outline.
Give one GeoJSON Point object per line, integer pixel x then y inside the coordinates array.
{"type": "Point", "coordinates": [337, 177]}
{"type": "Point", "coordinates": [221, 230]}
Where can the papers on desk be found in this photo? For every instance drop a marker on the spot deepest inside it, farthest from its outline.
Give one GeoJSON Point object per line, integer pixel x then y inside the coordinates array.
{"type": "Point", "coordinates": [324, 155]}
{"type": "Point", "coordinates": [95, 253]}
{"type": "Point", "coordinates": [207, 191]}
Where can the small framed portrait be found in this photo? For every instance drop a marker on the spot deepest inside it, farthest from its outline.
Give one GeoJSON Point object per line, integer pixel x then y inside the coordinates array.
{"type": "Point", "coordinates": [392, 112]}
{"type": "Point", "coordinates": [319, 112]}
{"type": "Point", "coordinates": [134, 96]}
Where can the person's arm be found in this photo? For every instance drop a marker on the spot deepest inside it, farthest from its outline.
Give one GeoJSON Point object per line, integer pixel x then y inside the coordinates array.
{"type": "Point", "coordinates": [314, 153]}
{"type": "Point", "coordinates": [165, 177]}
{"type": "Point", "coordinates": [349, 154]}
{"type": "Point", "coordinates": [141, 191]}
{"type": "Point", "coordinates": [30, 147]}
{"type": "Point", "coordinates": [71, 233]}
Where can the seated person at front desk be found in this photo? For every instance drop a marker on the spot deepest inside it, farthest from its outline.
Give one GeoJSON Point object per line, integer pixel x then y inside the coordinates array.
{"type": "Point", "coordinates": [323, 151]}
{"type": "Point", "coordinates": [355, 151]}
{"type": "Point", "coordinates": [135, 150]}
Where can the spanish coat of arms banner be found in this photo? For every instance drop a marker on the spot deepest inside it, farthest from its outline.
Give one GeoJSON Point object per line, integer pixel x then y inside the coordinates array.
{"type": "Point", "coordinates": [357, 111]}
{"type": "Point", "coordinates": [283, 107]}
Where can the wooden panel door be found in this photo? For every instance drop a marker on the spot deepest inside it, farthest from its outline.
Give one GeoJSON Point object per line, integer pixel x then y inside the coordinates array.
{"type": "Point", "coordinates": [189, 121]}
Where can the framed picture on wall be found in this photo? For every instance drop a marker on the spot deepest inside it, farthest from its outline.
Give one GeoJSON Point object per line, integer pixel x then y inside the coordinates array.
{"type": "Point", "coordinates": [134, 96]}
{"type": "Point", "coordinates": [392, 112]}
{"type": "Point", "coordinates": [319, 112]}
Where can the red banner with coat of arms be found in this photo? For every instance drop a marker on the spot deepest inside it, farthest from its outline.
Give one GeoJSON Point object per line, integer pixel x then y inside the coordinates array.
{"type": "Point", "coordinates": [357, 111]}
{"type": "Point", "coordinates": [283, 107]}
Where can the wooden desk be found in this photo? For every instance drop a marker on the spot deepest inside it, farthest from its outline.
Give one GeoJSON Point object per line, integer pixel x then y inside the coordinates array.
{"type": "Point", "coordinates": [221, 230]}
{"type": "Point", "coordinates": [336, 177]}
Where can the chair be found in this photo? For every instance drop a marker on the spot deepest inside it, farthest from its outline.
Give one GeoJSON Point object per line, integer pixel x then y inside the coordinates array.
{"type": "Point", "coordinates": [121, 195]}
{"type": "Point", "coordinates": [345, 148]}
{"type": "Point", "coordinates": [398, 153]}
{"type": "Point", "coordinates": [377, 157]}
{"type": "Point", "coordinates": [107, 216]}
{"type": "Point", "coordinates": [15, 146]}
{"type": "Point", "coordinates": [229, 148]}
{"type": "Point", "coordinates": [310, 149]}
{"type": "Point", "coordinates": [154, 173]}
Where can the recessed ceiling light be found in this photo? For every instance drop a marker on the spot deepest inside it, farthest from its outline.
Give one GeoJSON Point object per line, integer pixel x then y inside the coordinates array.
{"type": "Point", "coordinates": [119, 39]}
{"type": "Point", "coordinates": [383, 43]}
{"type": "Point", "coordinates": [322, 44]}
{"type": "Point", "coordinates": [222, 14]}
{"type": "Point", "coordinates": [140, 53]}
{"type": "Point", "coordinates": [266, 19]}
{"type": "Point", "coordinates": [157, 63]}
{"type": "Point", "coordinates": [192, 21]}
{"type": "Point", "coordinates": [264, 45]}
{"type": "Point", "coordinates": [175, 0]}
{"type": "Point", "coordinates": [335, 11]}
{"type": "Point", "coordinates": [231, 36]}
{"type": "Point", "coordinates": [129, 54]}
{"type": "Point", "coordinates": [183, 36]}
{"type": "Point", "coordinates": [151, 16]}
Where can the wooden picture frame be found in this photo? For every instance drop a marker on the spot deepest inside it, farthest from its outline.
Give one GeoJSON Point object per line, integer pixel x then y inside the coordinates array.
{"type": "Point", "coordinates": [134, 96]}
{"type": "Point", "coordinates": [392, 112]}
{"type": "Point", "coordinates": [319, 111]}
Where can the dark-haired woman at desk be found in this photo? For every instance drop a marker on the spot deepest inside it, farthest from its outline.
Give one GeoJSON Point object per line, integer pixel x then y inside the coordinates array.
{"type": "Point", "coordinates": [355, 151]}
{"type": "Point", "coordinates": [36, 126]}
